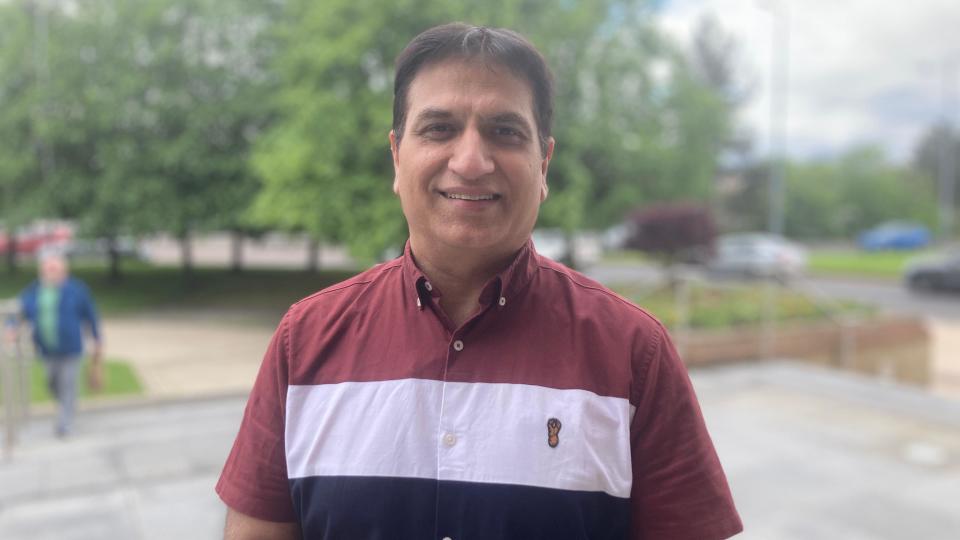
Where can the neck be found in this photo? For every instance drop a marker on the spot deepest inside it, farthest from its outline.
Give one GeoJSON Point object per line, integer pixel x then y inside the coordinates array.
{"type": "Point", "coordinates": [460, 277]}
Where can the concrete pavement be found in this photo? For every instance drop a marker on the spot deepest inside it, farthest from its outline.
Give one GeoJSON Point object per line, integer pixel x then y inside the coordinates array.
{"type": "Point", "coordinates": [810, 454]}
{"type": "Point", "coordinates": [136, 473]}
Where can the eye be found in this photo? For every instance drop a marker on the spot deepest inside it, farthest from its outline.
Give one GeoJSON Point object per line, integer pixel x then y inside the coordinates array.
{"type": "Point", "coordinates": [439, 131]}
{"type": "Point", "coordinates": [509, 134]}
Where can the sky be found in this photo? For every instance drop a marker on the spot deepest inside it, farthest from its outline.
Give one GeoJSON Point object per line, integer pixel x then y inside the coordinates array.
{"type": "Point", "coordinates": [860, 71]}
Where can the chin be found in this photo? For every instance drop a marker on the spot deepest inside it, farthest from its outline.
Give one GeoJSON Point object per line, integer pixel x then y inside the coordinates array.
{"type": "Point", "coordinates": [484, 241]}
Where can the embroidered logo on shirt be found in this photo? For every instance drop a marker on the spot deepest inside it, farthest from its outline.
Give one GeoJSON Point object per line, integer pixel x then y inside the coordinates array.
{"type": "Point", "coordinates": [553, 432]}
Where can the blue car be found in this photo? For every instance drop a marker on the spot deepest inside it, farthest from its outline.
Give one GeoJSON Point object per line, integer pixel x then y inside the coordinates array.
{"type": "Point", "coordinates": [895, 235]}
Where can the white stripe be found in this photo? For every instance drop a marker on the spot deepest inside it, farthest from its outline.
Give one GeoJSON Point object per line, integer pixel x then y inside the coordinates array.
{"type": "Point", "coordinates": [390, 429]}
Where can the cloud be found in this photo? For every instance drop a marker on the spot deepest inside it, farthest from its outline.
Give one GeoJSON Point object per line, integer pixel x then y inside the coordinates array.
{"type": "Point", "coordinates": [859, 73]}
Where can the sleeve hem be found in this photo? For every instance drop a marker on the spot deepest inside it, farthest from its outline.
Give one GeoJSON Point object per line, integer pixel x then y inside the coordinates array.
{"type": "Point", "coordinates": [255, 507]}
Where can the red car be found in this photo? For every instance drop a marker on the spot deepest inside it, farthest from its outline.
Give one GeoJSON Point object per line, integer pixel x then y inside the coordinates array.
{"type": "Point", "coordinates": [29, 243]}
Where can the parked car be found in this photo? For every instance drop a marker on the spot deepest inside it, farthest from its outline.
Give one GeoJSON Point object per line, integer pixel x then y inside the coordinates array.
{"type": "Point", "coordinates": [31, 241]}
{"type": "Point", "coordinates": [900, 235]}
{"type": "Point", "coordinates": [98, 248]}
{"type": "Point", "coordinates": [761, 255]}
{"type": "Point", "coordinates": [939, 271]}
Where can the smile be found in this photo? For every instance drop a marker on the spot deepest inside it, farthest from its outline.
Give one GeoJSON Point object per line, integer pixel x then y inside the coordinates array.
{"type": "Point", "coordinates": [468, 197]}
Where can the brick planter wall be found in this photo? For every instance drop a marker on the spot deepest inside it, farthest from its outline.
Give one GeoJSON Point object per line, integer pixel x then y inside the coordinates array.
{"type": "Point", "coordinates": [891, 347]}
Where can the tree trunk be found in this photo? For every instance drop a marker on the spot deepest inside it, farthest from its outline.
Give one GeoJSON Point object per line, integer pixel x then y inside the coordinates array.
{"type": "Point", "coordinates": [186, 254]}
{"type": "Point", "coordinates": [236, 251]}
{"type": "Point", "coordinates": [11, 253]}
{"type": "Point", "coordinates": [570, 251]}
{"type": "Point", "coordinates": [113, 253]}
{"type": "Point", "coordinates": [313, 255]}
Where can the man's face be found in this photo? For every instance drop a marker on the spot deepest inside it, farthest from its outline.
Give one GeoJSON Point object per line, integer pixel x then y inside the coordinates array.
{"type": "Point", "coordinates": [53, 271]}
{"type": "Point", "coordinates": [468, 169]}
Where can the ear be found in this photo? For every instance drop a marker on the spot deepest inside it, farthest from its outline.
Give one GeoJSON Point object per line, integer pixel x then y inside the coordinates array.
{"type": "Point", "coordinates": [395, 151]}
{"type": "Point", "coordinates": [544, 165]}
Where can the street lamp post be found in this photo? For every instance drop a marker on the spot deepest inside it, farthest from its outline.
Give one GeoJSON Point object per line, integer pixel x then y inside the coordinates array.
{"type": "Point", "coordinates": [946, 160]}
{"type": "Point", "coordinates": [779, 75]}
{"type": "Point", "coordinates": [779, 80]}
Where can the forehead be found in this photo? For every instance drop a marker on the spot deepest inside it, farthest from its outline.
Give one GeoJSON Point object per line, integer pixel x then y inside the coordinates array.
{"type": "Point", "coordinates": [464, 86]}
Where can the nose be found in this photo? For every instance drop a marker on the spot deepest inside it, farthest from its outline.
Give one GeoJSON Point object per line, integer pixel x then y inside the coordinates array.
{"type": "Point", "coordinates": [471, 157]}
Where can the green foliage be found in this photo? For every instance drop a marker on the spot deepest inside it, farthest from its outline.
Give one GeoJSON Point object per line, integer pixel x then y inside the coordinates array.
{"type": "Point", "coordinates": [624, 135]}
{"type": "Point", "coordinates": [857, 191]}
{"type": "Point", "coordinates": [19, 166]}
{"type": "Point", "coordinates": [932, 153]}
{"type": "Point", "coordinates": [135, 116]}
{"type": "Point", "coordinates": [140, 112]}
{"type": "Point", "coordinates": [837, 198]}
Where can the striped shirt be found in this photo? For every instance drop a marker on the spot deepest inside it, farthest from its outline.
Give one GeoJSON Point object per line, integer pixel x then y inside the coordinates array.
{"type": "Point", "coordinates": [559, 410]}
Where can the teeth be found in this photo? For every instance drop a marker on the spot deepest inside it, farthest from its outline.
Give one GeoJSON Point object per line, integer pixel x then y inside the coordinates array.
{"type": "Point", "coordinates": [466, 197]}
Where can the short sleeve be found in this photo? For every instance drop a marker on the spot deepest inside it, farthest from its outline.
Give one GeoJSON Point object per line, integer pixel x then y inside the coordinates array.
{"type": "Point", "coordinates": [679, 488]}
{"type": "Point", "coordinates": [254, 479]}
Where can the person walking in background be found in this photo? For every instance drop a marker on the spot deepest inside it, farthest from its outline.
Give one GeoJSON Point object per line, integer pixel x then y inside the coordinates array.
{"type": "Point", "coordinates": [58, 306]}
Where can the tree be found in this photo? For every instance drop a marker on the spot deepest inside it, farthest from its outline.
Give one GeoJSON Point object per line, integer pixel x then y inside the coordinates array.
{"type": "Point", "coordinates": [674, 232]}
{"type": "Point", "coordinates": [935, 156]}
{"type": "Point", "coordinates": [624, 134]}
{"type": "Point", "coordinates": [20, 176]}
{"type": "Point", "coordinates": [152, 107]}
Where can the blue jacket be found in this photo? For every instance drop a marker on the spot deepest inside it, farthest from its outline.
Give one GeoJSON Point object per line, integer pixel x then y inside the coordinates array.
{"type": "Point", "coordinates": [76, 307]}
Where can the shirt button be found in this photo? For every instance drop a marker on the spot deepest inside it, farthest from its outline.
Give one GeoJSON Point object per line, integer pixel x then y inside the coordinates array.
{"type": "Point", "coordinates": [458, 345]}
{"type": "Point", "coordinates": [503, 301]}
{"type": "Point", "coordinates": [449, 439]}
{"type": "Point", "coordinates": [447, 538]}
{"type": "Point", "coordinates": [427, 286]}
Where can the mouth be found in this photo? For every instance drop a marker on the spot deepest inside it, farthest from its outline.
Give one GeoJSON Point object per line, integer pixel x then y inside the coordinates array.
{"type": "Point", "coordinates": [471, 196]}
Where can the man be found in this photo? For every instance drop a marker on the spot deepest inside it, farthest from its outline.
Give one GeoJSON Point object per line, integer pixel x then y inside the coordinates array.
{"type": "Point", "coordinates": [58, 307]}
{"type": "Point", "coordinates": [471, 388]}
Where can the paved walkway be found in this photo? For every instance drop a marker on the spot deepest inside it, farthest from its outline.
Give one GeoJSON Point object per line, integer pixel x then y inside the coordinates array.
{"type": "Point", "coordinates": [191, 354]}
{"type": "Point", "coordinates": [810, 455]}
{"type": "Point", "coordinates": [135, 473]}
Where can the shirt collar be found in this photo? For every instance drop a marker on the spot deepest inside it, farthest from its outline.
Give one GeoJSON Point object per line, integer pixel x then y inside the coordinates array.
{"type": "Point", "coordinates": [498, 290]}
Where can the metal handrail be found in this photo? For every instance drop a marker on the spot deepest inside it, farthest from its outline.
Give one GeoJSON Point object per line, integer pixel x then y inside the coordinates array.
{"type": "Point", "coordinates": [15, 378]}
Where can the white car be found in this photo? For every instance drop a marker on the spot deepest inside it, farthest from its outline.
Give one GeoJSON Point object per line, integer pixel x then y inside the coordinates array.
{"type": "Point", "coordinates": [761, 255]}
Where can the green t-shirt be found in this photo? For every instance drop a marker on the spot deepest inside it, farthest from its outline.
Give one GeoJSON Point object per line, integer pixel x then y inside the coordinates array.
{"type": "Point", "coordinates": [48, 313]}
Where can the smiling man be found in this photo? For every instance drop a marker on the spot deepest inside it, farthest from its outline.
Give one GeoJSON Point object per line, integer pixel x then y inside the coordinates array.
{"type": "Point", "coordinates": [472, 388]}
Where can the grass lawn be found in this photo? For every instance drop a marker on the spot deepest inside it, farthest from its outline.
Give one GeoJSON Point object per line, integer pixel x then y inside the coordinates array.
{"type": "Point", "coordinates": [734, 305]}
{"type": "Point", "coordinates": [879, 264]}
{"type": "Point", "coordinates": [119, 380]}
{"type": "Point", "coordinates": [144, 287]}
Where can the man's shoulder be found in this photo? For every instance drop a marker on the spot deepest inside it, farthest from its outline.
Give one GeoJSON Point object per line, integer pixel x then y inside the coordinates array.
{"type": "Point", "coordinates": [589, 297]}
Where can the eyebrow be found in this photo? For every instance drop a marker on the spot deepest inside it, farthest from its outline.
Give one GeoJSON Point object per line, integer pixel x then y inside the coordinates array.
{"type": "Point", "coordinates": [433, 113]}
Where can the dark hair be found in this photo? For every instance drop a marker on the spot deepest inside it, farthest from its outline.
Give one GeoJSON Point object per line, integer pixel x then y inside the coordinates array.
{"type": "Point", "coordinates": [494, 45]}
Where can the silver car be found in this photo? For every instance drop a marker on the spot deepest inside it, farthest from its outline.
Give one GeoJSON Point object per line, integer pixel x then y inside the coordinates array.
{"type": "Point", "coordinates": [758, 255]}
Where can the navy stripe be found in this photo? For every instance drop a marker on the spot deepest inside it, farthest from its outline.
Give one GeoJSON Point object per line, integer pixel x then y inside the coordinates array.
{"type": "Point", "coordinates": [379, 508]}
